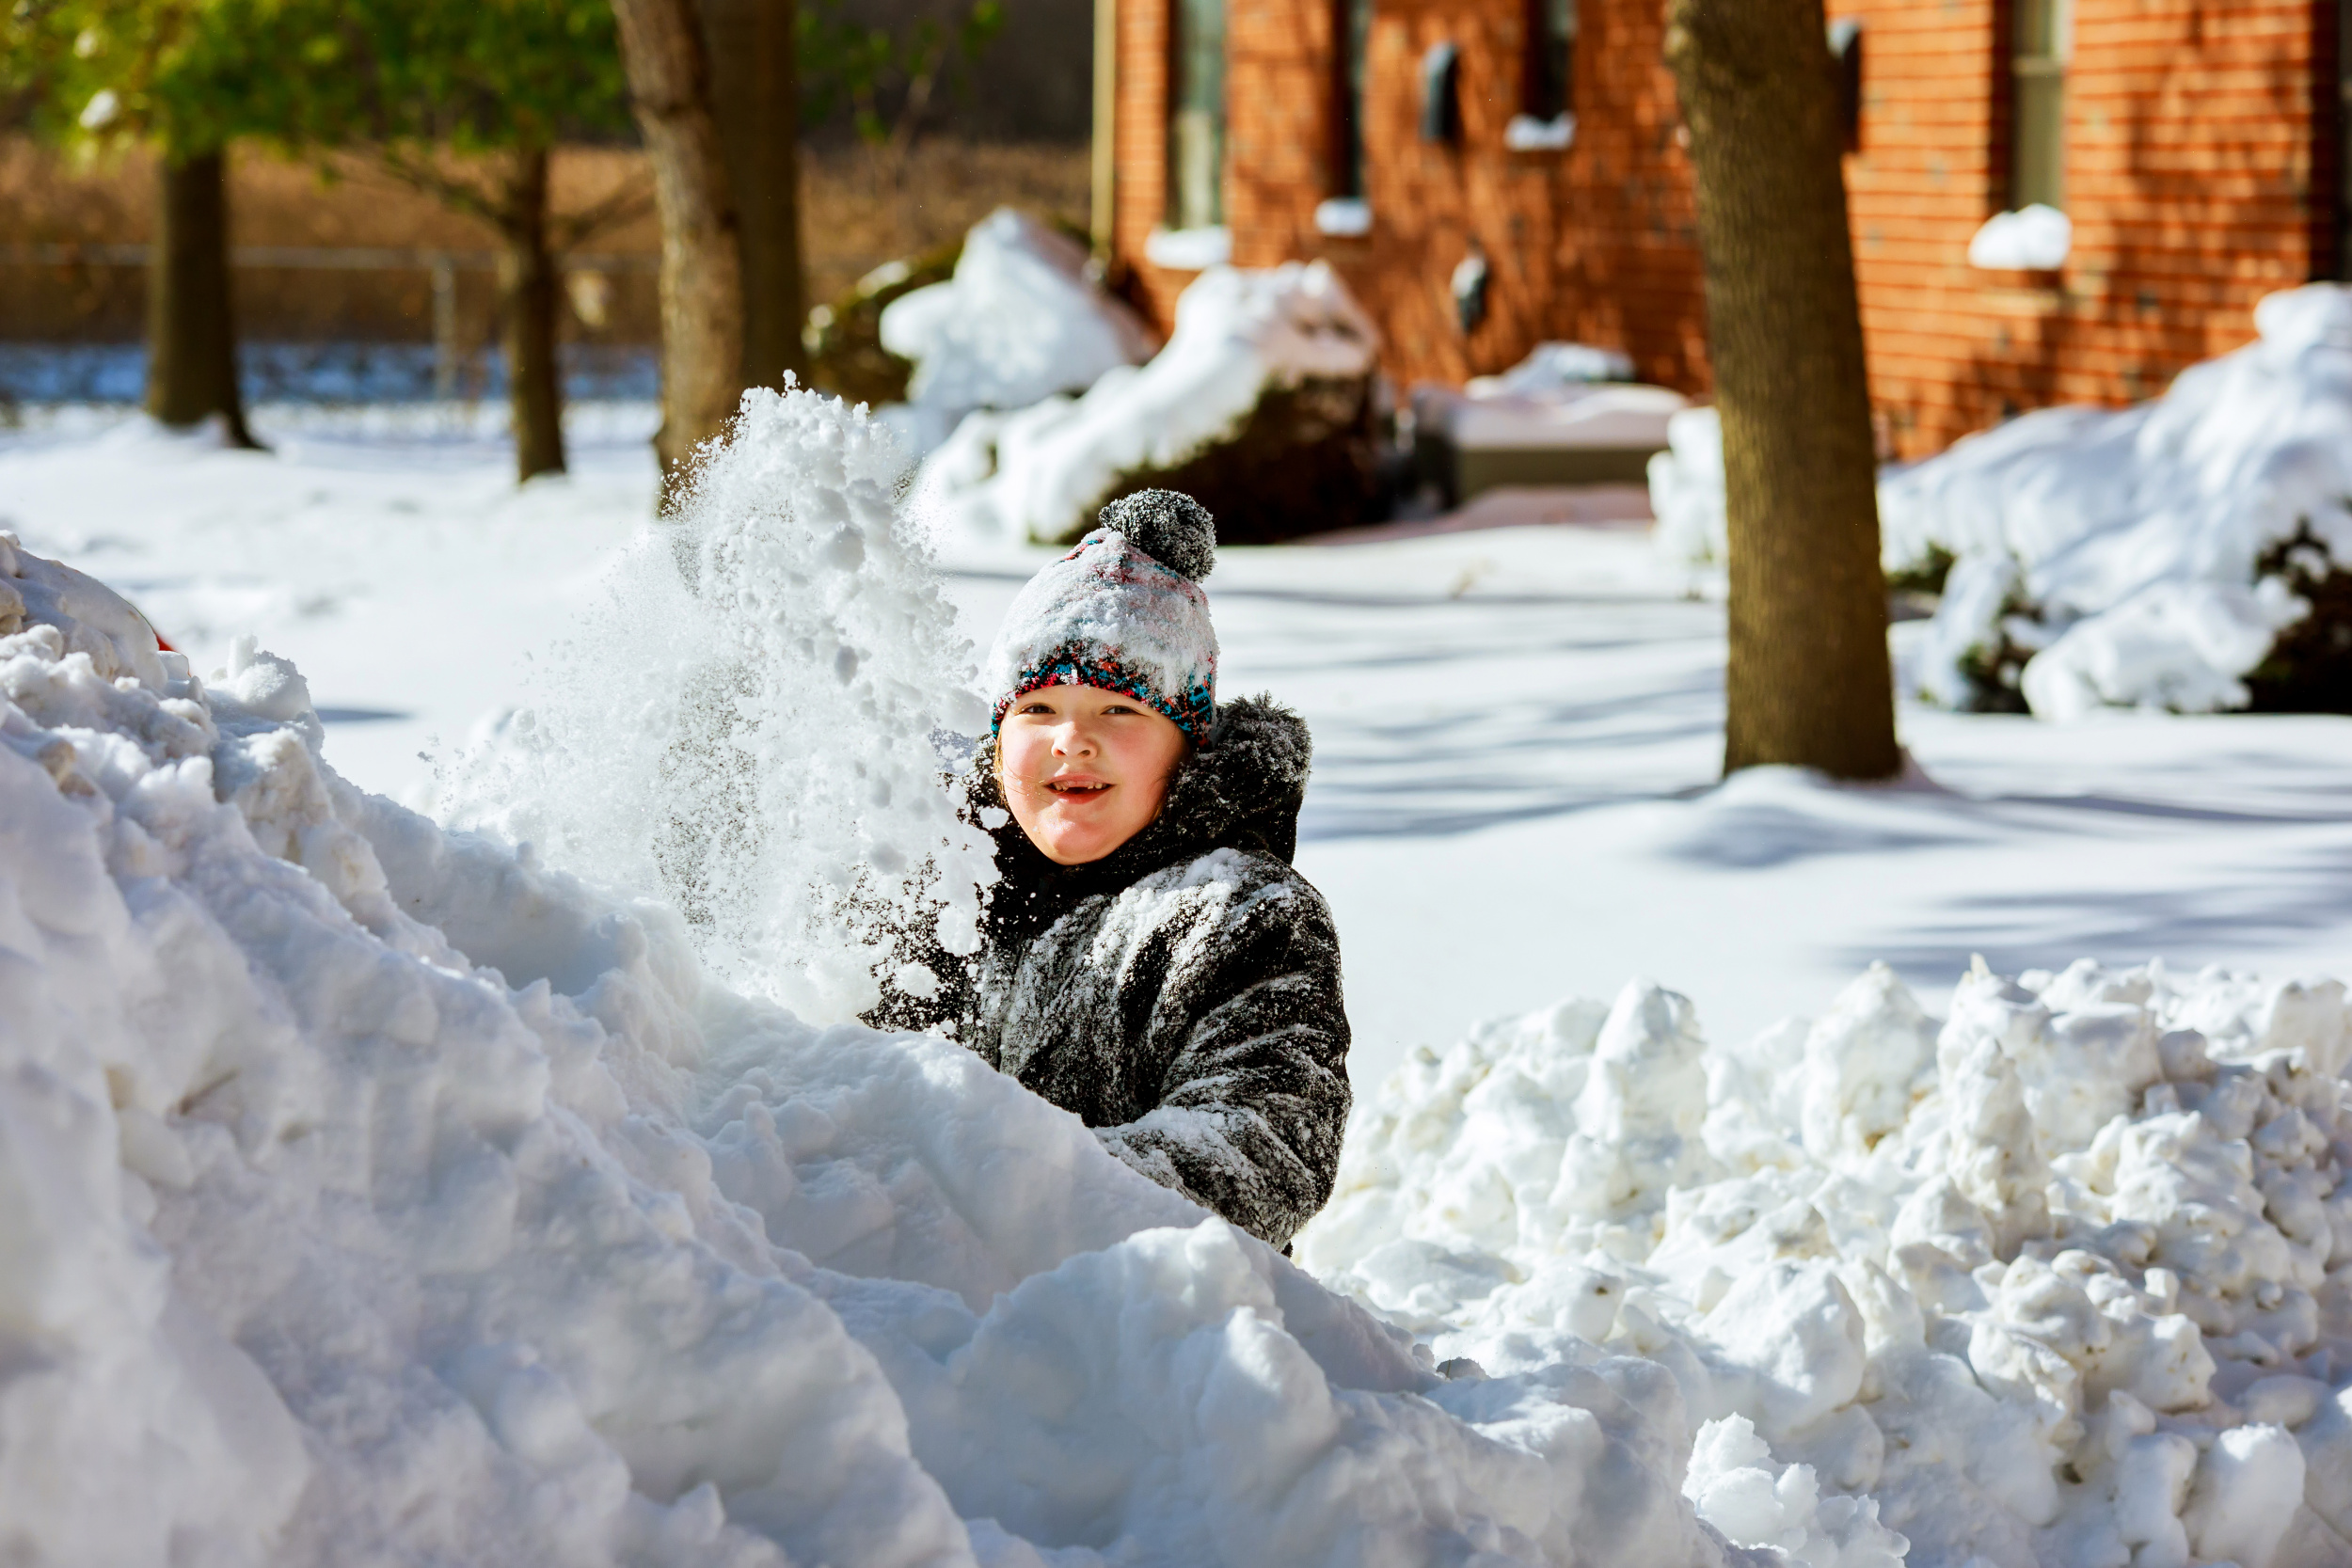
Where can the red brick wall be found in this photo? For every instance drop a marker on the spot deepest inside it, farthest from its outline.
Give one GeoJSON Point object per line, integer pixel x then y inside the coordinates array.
{"type": "Point", "coordinates": [1594, 243]}
{"type": "Point", "coordinates": [2194, 151]}
{"type": "Point", "coordinates": [2190, 144]}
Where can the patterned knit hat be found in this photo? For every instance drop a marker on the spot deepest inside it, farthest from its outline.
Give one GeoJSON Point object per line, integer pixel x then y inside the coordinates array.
{"type": "Point", "coordinates": [1124, 610]}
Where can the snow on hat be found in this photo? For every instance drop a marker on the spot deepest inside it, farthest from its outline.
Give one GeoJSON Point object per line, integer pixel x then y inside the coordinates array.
{"type": "Point", "coordinates": [1124, 610]}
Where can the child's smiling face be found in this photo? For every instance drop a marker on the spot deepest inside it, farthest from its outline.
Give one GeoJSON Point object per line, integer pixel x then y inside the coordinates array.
{"type": "Point", "coordinates": [1084, 769]}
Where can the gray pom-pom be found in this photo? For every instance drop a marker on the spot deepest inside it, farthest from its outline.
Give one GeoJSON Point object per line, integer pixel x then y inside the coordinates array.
{"type": "Point", "coordinates": [1172, 528]}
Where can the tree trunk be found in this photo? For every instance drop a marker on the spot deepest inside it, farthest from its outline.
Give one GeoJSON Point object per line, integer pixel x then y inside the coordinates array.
{"type": "Point", "coordinates": [1808, 682]}
{"type": "Point", "coordinates": [191, 334]}
{"type": "Point", "coordinates": [527, 308]}
{"type": "Point", "coordinates": [754, 92]}
{"type": "Point", "coordinates": [701, 269]}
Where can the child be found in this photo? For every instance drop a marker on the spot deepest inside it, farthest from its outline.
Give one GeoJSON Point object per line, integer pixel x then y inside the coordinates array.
{"type": "Point", "coordinates": [1150, 961]}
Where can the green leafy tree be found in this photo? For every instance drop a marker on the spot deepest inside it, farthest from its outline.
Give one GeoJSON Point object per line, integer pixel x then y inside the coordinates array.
{"type": "Point", "coordinates": [461, 99]}
{"type": "Point", "coordinates": [175, 74]}
{"type": "Point", "coordinates": [889, 78]}
{"type": "Point", "coordinates": [466, 100]}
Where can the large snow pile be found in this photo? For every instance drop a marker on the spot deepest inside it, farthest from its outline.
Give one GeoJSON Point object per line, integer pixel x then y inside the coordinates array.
{"type": "Point", "coordinates": [1018, 321]}
{"type": "Point", "coordinates": [1271, 369]}
{"type": "Point", "coordinates": [2065, 1281]}
{"type": "Point", "coordinates": [373, 1193]}
{"type": "Point", "coordinates": [2157, 556]}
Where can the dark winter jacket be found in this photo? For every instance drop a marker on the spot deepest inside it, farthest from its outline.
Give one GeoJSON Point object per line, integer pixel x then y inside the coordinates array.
{"type": "Point", "coordinates": [1182, 995]}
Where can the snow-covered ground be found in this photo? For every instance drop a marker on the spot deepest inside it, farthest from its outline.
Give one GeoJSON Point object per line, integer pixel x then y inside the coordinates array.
{"type": "Point", "coordinates": [1515, 796]}
{"type": "Point", "coordinates": [370, 1193]}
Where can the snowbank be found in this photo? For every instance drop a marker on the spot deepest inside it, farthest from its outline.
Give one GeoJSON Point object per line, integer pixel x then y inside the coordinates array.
{"type": "Point", "coordinates": [1018, 321]}
{"type": "Point", "coordinates": [2151, 556]}
{"type": "Point", "coordinates": [2067, 1280]}
{"type": "Point", "coordinates": [372, 1192]}
{"type": "Point", "coordinates": [1244, 340]}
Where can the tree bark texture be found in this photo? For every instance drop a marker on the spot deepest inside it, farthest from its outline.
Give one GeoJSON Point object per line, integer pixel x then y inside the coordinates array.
{"type": "Point", "coordinates": [191, 330]}
{"type": "Point", "coordinates": [701, 269]}
{"type": "Point", "coordinates": [528, 298]}
{"type": "Point", "coordinates": [754, 90]}
{"type": "Point", "coordinates": [1808, 682]}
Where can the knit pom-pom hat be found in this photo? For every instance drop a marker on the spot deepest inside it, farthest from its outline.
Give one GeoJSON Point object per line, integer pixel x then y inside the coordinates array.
{"type": "Point", "coordinates": [1125, 611]}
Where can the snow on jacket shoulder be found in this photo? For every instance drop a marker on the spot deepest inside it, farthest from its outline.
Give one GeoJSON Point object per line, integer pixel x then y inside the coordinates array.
{"type": "Point", "coordinates": [1181, 995]}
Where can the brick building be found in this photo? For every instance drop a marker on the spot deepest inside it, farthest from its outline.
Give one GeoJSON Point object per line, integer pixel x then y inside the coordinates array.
{"type": "Point", "coordinates": [2197, 145]}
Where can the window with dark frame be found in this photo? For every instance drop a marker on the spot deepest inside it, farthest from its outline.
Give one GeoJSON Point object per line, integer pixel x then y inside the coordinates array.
{"type": "Point", "coordinates": [1196, 114]}
{"type": "Point", "coordinates": [1351, 30]}
{"type": "Point", "coordinates": [2041, 43]}
{"type": "Point", "coordinates": [1549, 88]}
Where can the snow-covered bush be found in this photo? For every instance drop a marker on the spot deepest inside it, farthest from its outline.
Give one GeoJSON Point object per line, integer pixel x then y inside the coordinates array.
{"type": "Point", "coordinates": [1263, 405]}
{"type": "Point", "coordinates": [2066, 1280]}
{"type": "Point", "coordinates": [1019, 321]}
{"type": "Point", "coordinates": [2191, 553]}
{"type": "Point", "coordinates": [377, 1193]}
{"type": "Point", "coordinates": [2151, 556]}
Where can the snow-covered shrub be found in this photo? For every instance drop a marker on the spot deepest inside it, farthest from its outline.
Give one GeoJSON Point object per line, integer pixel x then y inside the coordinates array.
{"type": "Point", "coordinates": [2191, 553]}
{"type": "Point", "coordinates": [1265, 405]}
{"type": "Point", "coordinates": [2066, 1279]}
{"type": "Point", "coordinates": [843, 335]}
{"type": "Point", "coordinates": [1018, 321]}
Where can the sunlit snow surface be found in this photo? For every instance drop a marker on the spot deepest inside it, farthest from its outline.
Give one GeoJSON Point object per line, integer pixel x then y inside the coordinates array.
{"type": "Point", "coordinates": [576, 1255]}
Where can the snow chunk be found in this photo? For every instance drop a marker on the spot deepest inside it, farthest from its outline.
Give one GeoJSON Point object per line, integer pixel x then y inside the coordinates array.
{"type": "Point", "coordinates": [2034, 238]}
{"type": "Point", "coordinates": [92, 618]}
{"type": "Point", "coordinates": [1741, 1492]}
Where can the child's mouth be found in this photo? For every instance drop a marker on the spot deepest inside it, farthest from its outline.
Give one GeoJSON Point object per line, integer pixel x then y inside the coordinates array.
{"type": "Point", "coordinates": [1079, 788]}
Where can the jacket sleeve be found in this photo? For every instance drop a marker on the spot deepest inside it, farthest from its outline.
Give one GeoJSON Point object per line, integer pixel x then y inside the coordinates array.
{"type": "Point", "coordinates": [1254, 1097]}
